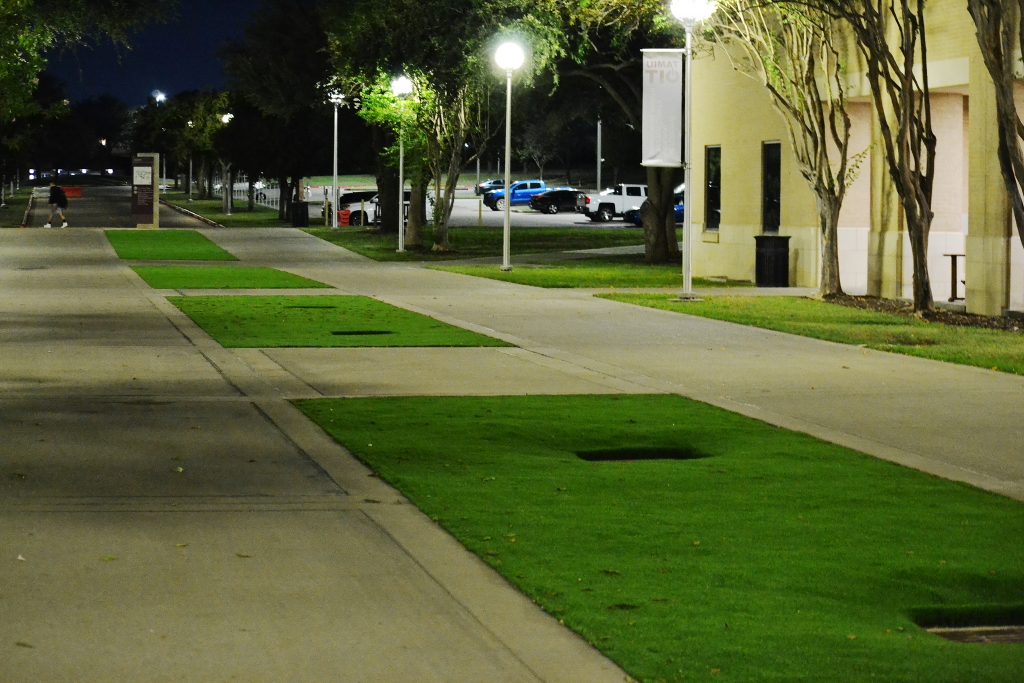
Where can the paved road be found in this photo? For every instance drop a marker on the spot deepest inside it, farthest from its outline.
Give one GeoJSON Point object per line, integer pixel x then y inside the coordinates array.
{"type": "Point", "coordinates": [104, 206]}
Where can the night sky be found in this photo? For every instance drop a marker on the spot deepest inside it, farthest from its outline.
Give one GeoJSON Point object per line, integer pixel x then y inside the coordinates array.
{"type": "Point", "coordinates": [177, 55]}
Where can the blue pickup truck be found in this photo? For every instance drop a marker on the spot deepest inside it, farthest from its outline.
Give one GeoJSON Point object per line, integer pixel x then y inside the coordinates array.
{"type": "Point", "coordinates": [521, 192]}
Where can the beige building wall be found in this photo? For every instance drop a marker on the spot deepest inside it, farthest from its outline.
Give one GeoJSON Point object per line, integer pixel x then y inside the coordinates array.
{"type": "Point", "coordinates": [972, 214]}
{"type": "Point", "coordinates": [732, 111]}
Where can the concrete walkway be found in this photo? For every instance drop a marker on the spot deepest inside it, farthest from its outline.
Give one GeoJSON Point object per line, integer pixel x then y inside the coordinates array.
{"type": "Point", "coordinates": [166, 514]}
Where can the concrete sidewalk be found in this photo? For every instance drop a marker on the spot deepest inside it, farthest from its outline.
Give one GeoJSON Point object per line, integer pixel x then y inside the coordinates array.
{"type": "Point", "coordinates": [167, 515]}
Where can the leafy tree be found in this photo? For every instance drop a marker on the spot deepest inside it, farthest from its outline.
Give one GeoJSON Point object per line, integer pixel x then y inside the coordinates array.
{"type": "Point", "coordinates": [447, 51]}
{"type": "Point", "coordinates": [280, 67]}
{"type": "Point", "coordinates": [380, 108]}
{"type": "Point", "coordinates": [29, 28]}
{"type": "Point", "coordinates": [790, 49]}
{"type": "Point", "coordinates": [890, 37]}
{"type": "Point", "coordinates": [1000, 31]}
{"type": "Point", "coordinates": [603, 39]}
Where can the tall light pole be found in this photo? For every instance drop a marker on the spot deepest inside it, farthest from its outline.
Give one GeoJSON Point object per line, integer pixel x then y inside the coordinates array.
{"type": "Point", "coordinates": [228, 181]}
{"type": "Point", "coordinates": [401, 87]}
{"type": "Point", "coordinates": [190, 125]}
{"type": "Point", "coordinates": [689, 13]}
{"type": "Point", "coordinates": [160, 97]}
{"type": "Point", "coordinates": [509, 56]}
{"type": "Point", "coordinates": [599, 159]}
{"type": "Point", "coordinates": [336, 99]}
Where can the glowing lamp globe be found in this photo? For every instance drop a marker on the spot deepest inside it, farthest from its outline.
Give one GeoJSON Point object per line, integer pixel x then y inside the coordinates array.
{"type": "Point", "coordinates": [401, 87]}
{"type": "Point", "coordinates": [509, 56]}
{"type": "Point", "coordinates": [692, 11]}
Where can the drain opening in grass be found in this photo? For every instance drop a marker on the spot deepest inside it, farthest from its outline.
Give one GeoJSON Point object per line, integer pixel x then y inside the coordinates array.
{"type": "Point", "coordinates": [359, 333]}
{"type": "Point", "coordinates": [983, 624]}
{"type": "Point", "coordinates": [648, 453]}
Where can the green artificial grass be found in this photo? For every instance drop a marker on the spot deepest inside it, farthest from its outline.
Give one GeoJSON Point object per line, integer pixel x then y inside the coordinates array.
{"type": "Point", "coordinates": [319, 321]}
{"type": "Point", "coordinates": [592, 272]}
{"type": "Point", "coordinates": [478, 242]}
{"type": "Point", "coordinates": [165, 245]}
{"type": "Point", "coordinates": [240, 217]}
{"type": "Point", "coordinates": [994, 349]}
{"type": "Point", "coordinates": [773, 557]}
{"type": "Point", "coordinates": [221, 277]}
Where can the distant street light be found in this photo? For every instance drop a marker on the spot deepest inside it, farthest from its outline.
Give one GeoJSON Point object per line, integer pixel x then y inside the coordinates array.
{"type": "Point", "coordinates": [689, 13]}
{"type": "Point", "coordinates": [509, 56]}
{"type": "Point", "coordinates": [190, 124]}
{"type": "Point", "coordinates": [336, 98]}
{"type": "Point", "coordinates": [227, 181]}
{"type": "Point", "coordinates": [401, 87]}
{"type": "Point", "coordinates": [158, 96]}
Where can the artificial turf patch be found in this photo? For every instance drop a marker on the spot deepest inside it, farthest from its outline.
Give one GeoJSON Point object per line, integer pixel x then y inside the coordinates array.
{"type": "Point", "coordinates": [165, 245]}
{"type": "Point", "coordinates": [319, 321]}
{"type": "Point", "coordinates": [776, 557]}
{"type": "Point", "coordinates": [222, 277]}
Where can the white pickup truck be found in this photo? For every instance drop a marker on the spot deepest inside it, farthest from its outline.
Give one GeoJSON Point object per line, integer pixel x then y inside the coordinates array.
{"type": "Point", "coordinates": [613, 202]}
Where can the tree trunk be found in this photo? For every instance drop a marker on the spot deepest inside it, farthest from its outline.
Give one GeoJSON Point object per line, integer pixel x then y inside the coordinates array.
{"type": "Point", "coordinates": [284, 196]}
{"type": "Point", "coordinates": [251, 194]}
{"type": "Point", "coordinates": [660, 244]}
{"type": "Point", "coordinates": [828, 218]}
{"type": "Point", "coordinates": [417, 214]}
{"type": "Point", "coordinates": [919, 255]}
{"type": "Point", "coordinates": [387, 199]}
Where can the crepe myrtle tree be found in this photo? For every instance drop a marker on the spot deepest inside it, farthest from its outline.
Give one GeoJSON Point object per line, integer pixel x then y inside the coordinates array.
{"type": "Point", "coordinates": [1000, 32]}
{"type": "Point", "coordinates": [891, 39]}
{"type": "Point", "coordinates": [790, 49]}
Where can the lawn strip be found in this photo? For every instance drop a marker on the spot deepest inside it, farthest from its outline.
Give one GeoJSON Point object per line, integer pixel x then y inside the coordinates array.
{"type": "Point", "coordinates": [17, 204]}
{"type": "Point", "coordinates": [165, 245]}
{"type": "Point", "coordinates": [240, 217]}
{"type": "Point", "coordinates": [478, 242]}
{"type": "Point", "coordinates": [320, 321]}
{"type": "Point", "coordinates": [222, 277]}
{"type": "Point", "coordinates": [994, 349]}
{"type": "Point", "coordinates": [590, 271]}
{"type": "Point", "coordinates": [775, 557]}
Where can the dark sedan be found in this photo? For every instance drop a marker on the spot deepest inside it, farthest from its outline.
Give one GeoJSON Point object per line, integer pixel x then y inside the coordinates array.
{"type": "Point", "coordinates": [553, 201]}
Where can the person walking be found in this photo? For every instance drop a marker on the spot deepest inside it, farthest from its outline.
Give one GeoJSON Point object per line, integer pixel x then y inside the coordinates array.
{"type": "Point", "coordinates": [58, 202]}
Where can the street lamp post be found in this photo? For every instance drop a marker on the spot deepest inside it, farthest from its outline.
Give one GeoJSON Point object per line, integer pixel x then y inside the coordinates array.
{"type": "Point", "coordinates": [509, 56]}
{"type": "Point", "coordinates": [689, 13]}
{"type": "Point", "coordinates": [228, 181]}
{"type": "Point", "coordinates": [401, 87]}
{"type": "Point", "coordinates": [190, 124]}
{"type": "Point", "coordinates": [336, 99]}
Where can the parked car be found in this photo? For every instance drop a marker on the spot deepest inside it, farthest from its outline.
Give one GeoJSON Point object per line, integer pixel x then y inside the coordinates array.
{"type": "Point", "coordinates": [357, 203]}
{"type": "Point", "coordinates": [633, 215]}
{"type": "Point", "coordinates": [520, 192]}
{"type": "Point", "coordinates": [558, 199]}
{"type": "Point", "coordinates": [613, 201]}
{"type": "Point", "coordinates": [488, 185]}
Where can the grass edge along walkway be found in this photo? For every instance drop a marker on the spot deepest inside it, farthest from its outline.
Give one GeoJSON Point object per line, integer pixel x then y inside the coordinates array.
{"type": "Point", "coordinates": [321, 321]}
{"type": "Point", "coordinates": [983, 348]}
{"type": "Point", "coordinates": [165, 245]}
{"type": "Point", "coordinates": [223, 277]}
{"type": "Point", "coordinates": [775, 557]}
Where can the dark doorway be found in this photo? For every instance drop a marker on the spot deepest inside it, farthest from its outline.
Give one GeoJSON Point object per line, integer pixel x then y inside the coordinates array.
{"type": "Point", "coordinates": [771, 186]}
{"type": "Point", "coordinates": [713, 188]}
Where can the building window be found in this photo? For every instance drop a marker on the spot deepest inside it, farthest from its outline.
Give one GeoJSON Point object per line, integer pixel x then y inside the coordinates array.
{"type": "Point", "coordinates": [713, 188]}
{"type": "Point", "coordinates": [771, 186]}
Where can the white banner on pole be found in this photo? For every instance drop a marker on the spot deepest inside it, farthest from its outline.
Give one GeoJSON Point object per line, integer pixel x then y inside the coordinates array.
{"type": "Point", "coordinates": [663, 108]}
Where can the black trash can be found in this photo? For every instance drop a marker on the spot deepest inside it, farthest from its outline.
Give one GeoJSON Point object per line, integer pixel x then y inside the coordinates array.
{"type": "Point", "coordinates": [299, 212]}
{"type": "Point", "coordinates": [771, 265]}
